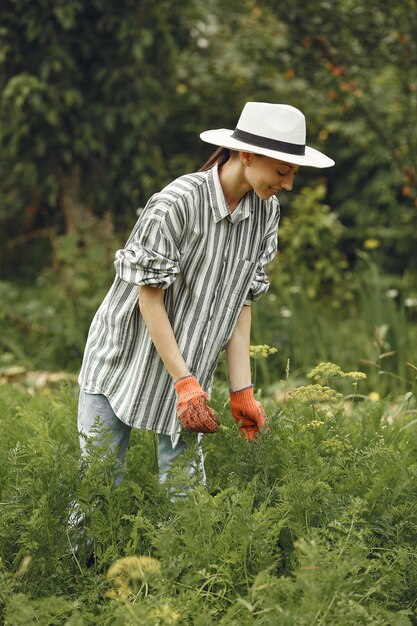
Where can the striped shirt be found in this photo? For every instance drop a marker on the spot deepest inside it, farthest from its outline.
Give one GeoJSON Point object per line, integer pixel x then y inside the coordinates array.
{"type": "Point", "coordinates": [210, 262]}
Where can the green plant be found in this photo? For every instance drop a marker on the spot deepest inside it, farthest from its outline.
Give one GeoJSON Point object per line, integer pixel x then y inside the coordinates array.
{"type": "Point", "coordinates": [54, 316]}
{"type": "Point", "coordinates": [312, 523]}
{"type": "Point", "coordinates": [310, 236]}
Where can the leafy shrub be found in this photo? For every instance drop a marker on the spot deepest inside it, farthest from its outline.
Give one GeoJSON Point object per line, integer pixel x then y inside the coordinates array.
{"type": "Point", "coordinates": [310, 255]}
{"type": "Point", "coordinates": [45, 325]}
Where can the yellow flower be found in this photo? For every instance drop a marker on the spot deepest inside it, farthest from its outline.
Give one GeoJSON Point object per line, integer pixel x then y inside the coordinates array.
{"type": "Point", "coordinates": [256, 11]}
{"type": "Point", "coordinates": [127, 573]}
{"type": "Point", "coordinates": [261, 351]}
{"type": "Point", "coordinates": [371, 244]}
{"type": "Point", "coordinates": [312, 425]}
{"type": "Point", "coordinates": [374, 396]}
{"type": "Point", "coordinates": [181, 88]}
{"type": "Point", "coordinates": [327, 370]}
{"type": "Point", "coordinates": [355, 375]}
{"type": "Point", "coordinates": [334, 445]}
{"type": "Point", "coordinates": [315, 394]}
{"type": "Point", "coordinates": [166, 615]}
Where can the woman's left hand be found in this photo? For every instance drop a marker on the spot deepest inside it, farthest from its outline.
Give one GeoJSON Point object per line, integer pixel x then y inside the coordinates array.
{"type": "Point", "coordinates": [248, 411]}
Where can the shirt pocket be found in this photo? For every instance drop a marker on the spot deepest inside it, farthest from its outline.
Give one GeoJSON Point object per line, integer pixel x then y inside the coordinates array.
{"type": "Point", "coordinates": [239, 283]}
{"type": "Point", "coordinates": [234, 295]}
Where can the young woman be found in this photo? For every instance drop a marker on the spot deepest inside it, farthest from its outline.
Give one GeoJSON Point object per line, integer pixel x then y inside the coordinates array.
{"type": "Point", "coordinates": [184, 285]}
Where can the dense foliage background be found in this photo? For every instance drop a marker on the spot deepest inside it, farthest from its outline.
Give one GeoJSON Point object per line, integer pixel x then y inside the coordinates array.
{"type": "Point", "coordinates": [101, 104]}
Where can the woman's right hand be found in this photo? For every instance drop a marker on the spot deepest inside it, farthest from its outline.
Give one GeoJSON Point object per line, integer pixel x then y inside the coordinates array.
{"type": "Point", "coordinates": [193, 410]}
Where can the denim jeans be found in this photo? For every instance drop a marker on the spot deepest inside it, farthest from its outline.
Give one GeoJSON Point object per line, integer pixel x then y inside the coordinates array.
{"type": "Point", "coordinates": [91, 406]}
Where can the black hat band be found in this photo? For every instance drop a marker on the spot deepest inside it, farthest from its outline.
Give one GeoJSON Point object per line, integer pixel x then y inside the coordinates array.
{"type": "Point", "coordinates": [268, 144]}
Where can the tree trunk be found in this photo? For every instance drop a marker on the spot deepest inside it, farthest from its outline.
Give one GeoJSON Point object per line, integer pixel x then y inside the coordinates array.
{"type": "Point", "coordinates": [75, 211]}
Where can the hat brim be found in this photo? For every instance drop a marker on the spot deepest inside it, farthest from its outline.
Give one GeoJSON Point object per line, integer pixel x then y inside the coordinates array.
{"type": "Point", "coordinates": [223, 137]}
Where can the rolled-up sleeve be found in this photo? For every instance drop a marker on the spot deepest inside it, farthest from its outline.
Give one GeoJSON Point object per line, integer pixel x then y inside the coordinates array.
{"type": "Point", "coordinates": [260, 282]}
{"type": "Point", "coordinates": [151, 257]}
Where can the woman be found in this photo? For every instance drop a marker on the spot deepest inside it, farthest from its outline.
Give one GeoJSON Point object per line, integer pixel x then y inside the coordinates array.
{"type": "Point", "coordinates": [184, 285]}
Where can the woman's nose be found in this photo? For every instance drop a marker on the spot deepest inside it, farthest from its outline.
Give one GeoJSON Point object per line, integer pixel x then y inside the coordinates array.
{"type": "Point", "coordinates": [287, 181]}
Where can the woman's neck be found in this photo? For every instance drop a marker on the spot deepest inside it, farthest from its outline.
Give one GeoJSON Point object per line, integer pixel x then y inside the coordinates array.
{"type": "Point", "coordinates": [233, 182]}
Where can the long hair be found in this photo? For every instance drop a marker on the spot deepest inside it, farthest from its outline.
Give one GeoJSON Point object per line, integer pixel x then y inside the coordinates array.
{"type": "Point", "coordinates": [220, 156]}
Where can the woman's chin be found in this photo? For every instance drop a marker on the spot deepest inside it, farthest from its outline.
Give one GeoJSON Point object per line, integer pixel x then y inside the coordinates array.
{"type": "Point", "coordinates": [266, 194]}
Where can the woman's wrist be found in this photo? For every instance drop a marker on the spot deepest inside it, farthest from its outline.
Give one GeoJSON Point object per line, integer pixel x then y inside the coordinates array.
{"type": "Point", "coordinates": [241, 389]}
{"type": "Point", "coordinates": [177, 380]}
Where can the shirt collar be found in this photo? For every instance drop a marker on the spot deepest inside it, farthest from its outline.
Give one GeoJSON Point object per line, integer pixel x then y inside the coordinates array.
{"type": "Point", "coordinates": [218, 201]}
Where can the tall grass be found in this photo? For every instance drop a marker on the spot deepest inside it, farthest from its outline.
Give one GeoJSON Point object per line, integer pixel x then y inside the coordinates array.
{"type": "Point", "coordinates": [376, 329]}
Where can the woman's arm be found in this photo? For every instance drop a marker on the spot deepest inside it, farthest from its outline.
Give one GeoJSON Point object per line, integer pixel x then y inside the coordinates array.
{"type": "Point", "coordinates": [152, 308]}
{"type": "Point", "coordinates": [237, 352]}
{"type": "Point", "coordinates": [193, 411]}
{"type": "Point", "coordinates": [247, 411]}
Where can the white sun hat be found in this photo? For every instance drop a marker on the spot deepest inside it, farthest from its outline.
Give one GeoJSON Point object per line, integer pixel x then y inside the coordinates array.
{"type": "Point", "coordinates": [274, 130]}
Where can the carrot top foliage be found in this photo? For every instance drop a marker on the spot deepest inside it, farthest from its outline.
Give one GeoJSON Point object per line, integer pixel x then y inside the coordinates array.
{"type": "Point", "coordinates": [314, 523]}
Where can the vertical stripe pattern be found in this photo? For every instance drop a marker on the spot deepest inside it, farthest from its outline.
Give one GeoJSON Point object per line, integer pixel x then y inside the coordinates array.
{"type": "Point", "coordinates": [210, 262]}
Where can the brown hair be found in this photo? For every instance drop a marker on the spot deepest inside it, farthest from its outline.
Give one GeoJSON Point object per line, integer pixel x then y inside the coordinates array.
{"type": "Point", "coordinates": [220, 156]}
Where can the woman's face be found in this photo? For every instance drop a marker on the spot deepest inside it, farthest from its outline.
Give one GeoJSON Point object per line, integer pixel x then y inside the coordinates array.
{"type": "Point", "coordinates": [268, 176]}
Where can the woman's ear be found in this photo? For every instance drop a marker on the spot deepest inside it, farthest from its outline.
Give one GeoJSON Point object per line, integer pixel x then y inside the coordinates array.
{"type": "Point", "coordinates": [246, 158]}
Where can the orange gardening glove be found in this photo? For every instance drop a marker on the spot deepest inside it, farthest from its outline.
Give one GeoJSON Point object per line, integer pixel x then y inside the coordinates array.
{"type": "Point", "coordinates": [192, 409]}
{"type": "Point", "coordinates": [248, 411]}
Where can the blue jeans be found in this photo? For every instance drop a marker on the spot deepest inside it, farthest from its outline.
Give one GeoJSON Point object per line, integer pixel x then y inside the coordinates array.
{"type": "Point", "coordinates": [91, 406]}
